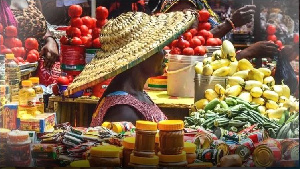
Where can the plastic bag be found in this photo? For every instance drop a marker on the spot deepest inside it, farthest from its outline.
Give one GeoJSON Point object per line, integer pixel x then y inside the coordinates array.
{"type": "Point", "coordinates": [285, 72]}
{"type": "Point", "coordinates": [48, 76]}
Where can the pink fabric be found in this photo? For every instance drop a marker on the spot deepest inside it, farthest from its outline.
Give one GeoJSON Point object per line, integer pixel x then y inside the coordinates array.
{"type": "Point", "coordinates": [150, 112]}
{"type": "Point", "coordinates": [7, 17]}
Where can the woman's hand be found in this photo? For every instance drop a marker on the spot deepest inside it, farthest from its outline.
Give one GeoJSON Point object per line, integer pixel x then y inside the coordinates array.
{"type": "Point", "coordinates": [49, 52]}
{"type": "Point", "coordinates": [261, 49]}
{"type": "Point", "coordinates": [243, 15]}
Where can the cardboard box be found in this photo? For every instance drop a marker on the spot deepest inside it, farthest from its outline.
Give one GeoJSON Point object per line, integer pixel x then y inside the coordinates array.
{"type": "Point", "coordinates": [40, 124]}
{"type": "Point", "coordinates": [9, 115]}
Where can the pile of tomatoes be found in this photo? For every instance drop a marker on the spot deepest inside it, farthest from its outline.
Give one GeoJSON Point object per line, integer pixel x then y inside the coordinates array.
{"type": "Point", "coordinates": [84, 30]}
{"type": "Point", "coordinates": [193, 41]}
{"type": "Point", "coordinates": [9, 43]}
{"type": "Point", "coordinates": [271, 30]}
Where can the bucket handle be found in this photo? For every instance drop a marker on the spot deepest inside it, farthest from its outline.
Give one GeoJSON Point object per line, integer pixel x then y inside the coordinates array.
{"type": "Point", "coordinates": [183, 69]}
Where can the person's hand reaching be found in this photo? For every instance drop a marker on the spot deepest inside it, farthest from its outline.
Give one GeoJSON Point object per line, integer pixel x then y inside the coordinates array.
{"type": "Point", "coordinates": [50, 53]}
{"type": "Point", "coordinates": [243, 15]}
{"type": "Point", "coordinates": [261, 49]}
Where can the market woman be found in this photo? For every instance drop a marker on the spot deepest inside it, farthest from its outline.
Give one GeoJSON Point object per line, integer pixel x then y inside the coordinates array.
{"type": "Point", "coordinates": [132, 50]}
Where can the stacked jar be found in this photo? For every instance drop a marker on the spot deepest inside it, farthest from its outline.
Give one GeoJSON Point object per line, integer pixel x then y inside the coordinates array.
{"type": "Point", "coordinates": [171, 144]}
{"type": "Point", "coordinates": [143, 154]}
{"type": "Point", "coordinates": [190, 149]}
{"type": "Point", "coordinates": [3, 146]}
{"type": "Point", "coordinates": [128, 147]}
{"type": "Point", "coordinates": [105, 156]}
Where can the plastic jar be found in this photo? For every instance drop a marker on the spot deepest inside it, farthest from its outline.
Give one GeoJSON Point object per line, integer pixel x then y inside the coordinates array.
{"type": "Point", "coordinates": [171, 136]}
{"type": "Point", "coordinates": [39, 94]}
{"type": "Point", "coordinates": [128, 146]}
{"type": "Point", "coordinates": [144, 162]}
{"type": "Point", "coordinates": [190, 149]}
{"type": "Point", "coordinates": [145, 138]}
{"type": "Point", "coordinates": [105, 156]}
{"type": "Point", "coordinates": [178, 160]}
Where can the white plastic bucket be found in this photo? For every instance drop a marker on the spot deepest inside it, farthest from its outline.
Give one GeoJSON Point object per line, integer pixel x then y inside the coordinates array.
{"type": "Point", "coordinates": [176, 62]}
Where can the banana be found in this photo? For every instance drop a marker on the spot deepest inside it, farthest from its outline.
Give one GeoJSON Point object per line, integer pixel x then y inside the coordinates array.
{"type": "Point", "coordinates": [223, 71]}
{"type": "Point", "coordinates": [265, 71]}
{"type": "Point", "coordinates": [259, 101]}
{"type": "Point", "coordinates": [217, 64]}
{"type": "Point", "coordinates": [255, 74]}
{"type": "Point", "coordinates": [271, 95]}
{"type": "Point", "coordinates": [252, 83]}
{"type": "Point", "coordinates": [227, 50]}
{"type": "Point", "coordinates": [269, 81]}
{"type": "Point", "coordinates": [271, 105]}
{"type": "Point", "coordinates": [235, 80]}
{"type": "Point", "coordinates": [207, 70]}
{"type": "Point", "coordinates": [233, 90]}
{"type": "Point", "coordinates": [242, 74]}
{"type": "Point", "coordinates": [219, 89]}
{"type": "Point", "coordinates": [199, 68]}
{"type": "Point", "coordinates": [245, 96]}
{"type": "Point", "coordinates": [216, 55]}
{"type": "Point", "coordinates": [256, 92]}
{"type": "Point", "coordinates": [244, 64]}
{"type": "Point", "coordinates": [233, 67]}
{"type": "Point", "coordinates": [201, 103]}
{"type": "Point", "coordinates": [210, 94]}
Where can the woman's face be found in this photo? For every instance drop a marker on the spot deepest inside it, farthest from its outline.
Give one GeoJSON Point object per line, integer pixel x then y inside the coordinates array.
{"type": "Point", "coordinates": [154, 66]}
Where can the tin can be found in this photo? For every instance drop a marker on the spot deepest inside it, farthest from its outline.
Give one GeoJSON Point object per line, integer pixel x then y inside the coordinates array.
{"type": "Point", "coordinates": [205, 140]}
{"type": "Point", "coordinates": [285, 144]}
{"type": "Point", "coordinates": [272, 142]}
{"type": "Point", "coordinates": [232, 145]}
{"type": "Point", "coordinates": [243, 151]}
{"type": "Point", "coordinates": [249, 162]}
{"type": "Point", "coordinates": [292, 152]}
{"type": "Point", "coordinates": [72, 55]}
{"type": "Point", "coordinates": [265, 156]}
{"type": "Point", "coordinates": [210, 155]}
{"type": "Point", "coordinates": [248, 143]}
{"type": "Point", "coordinates": [257, 136]}
{"type": "Point", "coordinates": [229, 135]}
{"type": "Point", "coordinates": [219, 144]}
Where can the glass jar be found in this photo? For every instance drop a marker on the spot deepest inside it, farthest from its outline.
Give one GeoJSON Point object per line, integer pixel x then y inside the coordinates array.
{"type": "Point", "coordinates": [190, 149]}
{"type": "Point", "coordinates": [172, 160]}
{"type": "Point", "coordinates": [128, 146]}
{"type": "Point", "coordinates": [171, 136]}
{"type": "Point", "coordinates": [105, 156]}
{"type": "Point", "coordinates": [145, 138]}
{"type": "Point", "coordinates": [143, 162]}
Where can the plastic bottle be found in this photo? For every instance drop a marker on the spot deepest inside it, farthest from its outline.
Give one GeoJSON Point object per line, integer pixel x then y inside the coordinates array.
{"type": "Point", "coordinates": [13, 76]}
{"type": "Point", "coordinates": [39, 99]}
{"type": "Point", "coordinates": [2, 69]}
{"type": "Point", "coordinates": [27, 99]}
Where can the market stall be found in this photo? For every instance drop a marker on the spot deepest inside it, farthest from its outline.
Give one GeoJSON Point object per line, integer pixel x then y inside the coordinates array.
{"type": "Point", "coordinates": [222, 112]}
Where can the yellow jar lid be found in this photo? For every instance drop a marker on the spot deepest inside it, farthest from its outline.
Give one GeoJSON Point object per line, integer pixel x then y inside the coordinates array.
{"type": "Point", "coordinates": [106, 125]}
{"type": "Point", "coordinates": [10, 56]}
{"type": "Point", "coordinates": [171, 125]}
{"type": "Point", "coordinates": [34, 79]}
{"type": "Point", "coordinates": [172, 158]}
{"type": "Point", "coordinates": [128, 142]}
{"type": "Point", "coordinates": [189, 147]}
{"type": "Point", "coordinates": [105, 151]}
{"type": "Point", "coordinates": [80, 163]}
{"type": "Point", "coordinates": [26, 83]}
{"type": "Point", "coordinates": [144, 160]}
{"type": "Point", "coordinates": [157, 138]}
{"type": "Point", "coordinates": [146, 125]}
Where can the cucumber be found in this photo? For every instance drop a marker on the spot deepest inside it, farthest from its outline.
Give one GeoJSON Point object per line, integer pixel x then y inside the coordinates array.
{"type": "Point", "coordinates": [236, 123]}
{"type": "Point", "coordinates": [230, 101]}
{"type": "Point", "coordinates": [241, 118]}
{"type": "Point", "coordinates": [221, 122]}
{"type": "Point", "coordinates": [224, 105]}
{"type": "Point", "coordinates": [212, 104]}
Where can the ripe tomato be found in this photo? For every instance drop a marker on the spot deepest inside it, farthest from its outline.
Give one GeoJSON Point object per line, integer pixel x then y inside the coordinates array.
{"type": "Point", "coordinates": [296, 38]}
{"type": "Point", "coordinates": [74, 32]}
{"type": "Point", "coordinates": [166, 48]}
{"type": "Point", "coordinates": [188, 36]}
{"type": "Point", "coordinates": [205, 25]}
{"type": "Point", "coordinates": [188, 51]}
{"type": "Point", "coordinates": [203, 15]}
{"type": "Point", "coordinates": [2, 47]}
{"type": "Point", "coordinates": [76, 22]}
{"type": "Point", "coordinates": [101, 23]}
{"type": "Point", "coordinates": [20, 59]}
{"type": "Point", "coordinates": [22, 51]}
{"type": "Point", "coordinates": [87, 41]}
{"type": "Point", "coordinates": [87, 21]}
{"type": "Point", "coordinates": [94, 21]}
{"type": "Point", "coordinates": [272, 38]}
{"type": "Point", "coordinates": [62, 80]}
{"type": "Point", "coordinates": [33, 51]}
{"type": "Point", "coordinates": [219, 41]}
{"type": "Point", "coordinates": [278, 43]}
{"type": "Point", "coordinates": [76, 41]}
{"type": "Point", "coordinates": [212, 42]}
{"type": "Point", "coordinates": [55, 90]}
{"type": "Point", "coordinates": [97, 43]}
{"type": "Point", "coordinates": [70, 78]}
{"type": "Point", "coordinates": [31, 58]}
{"type": "Point", "coordinates": [64, 40]}
{"type": "Point", "coordinates": [1, 28]}
{"type": "Point", "coordinates": [195, 42]}
{"type": "Point", "coordinates": [18, 43]}
{"type": "Point", "coordinates": [175, 51]}
{"type": "Point", "coordinates": [84, 30]}
{"type": "Point", "coordinates": [1, 40]}
{"type": "Point", "coordinates": [174, 43]}
{"type": "Point", "coordinates": [204, 33]}
{"type": "Point", "coordinates": [11, 31]}
{"type": "Point", "coordinates": [96, 33]}
{"type": "Point", "coordinates": [6, 51]}
{"type": "Point", "coordinates": [31, 43]}
{"type": "Point", "coordinates": [75, 11]}
{"type": "Point", "coordinates": [183, 43]}
{"type": "Point", "coordinates": [201, 38]}
{"type": "Point", "coordinates": [200, 50]}
{"type": "Point", "coordinates": [17, 51]}
{"type": "Point", "coordinates": [101, 13]}
{"type": "Point", "coordinates": [10, 42]}
{"type": "Point", "coordinates": [271, 29]}
{"type": "Point", "coordinates": [194, 32]}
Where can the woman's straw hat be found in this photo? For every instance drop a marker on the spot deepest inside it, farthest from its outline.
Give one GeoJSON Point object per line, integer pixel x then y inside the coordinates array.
{"type": "Point", "coordinates": [127, 41]}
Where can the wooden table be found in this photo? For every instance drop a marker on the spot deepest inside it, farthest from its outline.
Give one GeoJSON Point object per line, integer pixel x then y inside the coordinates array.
{"type": "Point", "coordinates": [78, 111]}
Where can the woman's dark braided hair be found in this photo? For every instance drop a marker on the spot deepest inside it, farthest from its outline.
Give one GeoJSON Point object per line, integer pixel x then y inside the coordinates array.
{"type": "Point", "coordinates": [125, 6]}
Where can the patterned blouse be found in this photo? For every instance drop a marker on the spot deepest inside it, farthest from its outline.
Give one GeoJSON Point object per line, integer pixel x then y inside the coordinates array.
{"type": "Point", "coordinates": [199, 4]}
{"type": "Point", "coordinates": [150, 111]}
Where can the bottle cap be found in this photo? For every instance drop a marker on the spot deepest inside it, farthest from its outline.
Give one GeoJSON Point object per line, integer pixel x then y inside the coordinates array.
{"type": "Point", "coordinates": [129, 142]}
{"type": "Point", "coordinates": [172, 158]}
{"type": "Point", "coordinates": [34, 79]}
{"type": "Point", "coordinates": [26, 83]}
{"type": "Point", "coordinates": [170, 125]}
{"type": "Point", "coordinates": [189, 148]}
{"type": "Point", "coordinates": [146, 125]}
{"type": "Point", "coordinates": [144, 160]}
{"type": "Point", "coordinates": [9, 56]}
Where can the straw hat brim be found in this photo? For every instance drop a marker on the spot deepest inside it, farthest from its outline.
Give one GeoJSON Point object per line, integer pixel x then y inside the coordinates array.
{"type": "Point", "coordinates": [127, 41]}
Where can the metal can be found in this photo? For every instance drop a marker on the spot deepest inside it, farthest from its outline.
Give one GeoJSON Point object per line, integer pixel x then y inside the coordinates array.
{"type": "Point", "coordinates": [272, 142]}
{"type": "Point", "coordinates": [248, 143]}
{"type": "Point", "coordinates": [229, 135]}
{"type": "Point", "coordinates": [257, 136]}
{"type": "Point", "coordinates": [232, 145]}
{"type": "Point", "coordinates": [243, 151]}
{"type": "Point", "coordinates": [285, 144]}
{"type": "Point", "coordinates": [249, 162]}
{"type": "Point", "coordinates": [292, 152]}
{"type": "Point", "coordinates": [210, 155]}
{"type": "Point", "coordinates": [265, 156]}
{"type": "Point", "coordinates": [219, 144]}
